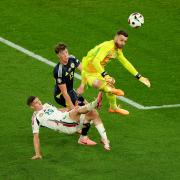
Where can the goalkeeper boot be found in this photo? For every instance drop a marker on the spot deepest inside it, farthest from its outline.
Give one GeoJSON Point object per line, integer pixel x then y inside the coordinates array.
{"type": "Point", "coordinates": [117, 92]}
{"type": "Point", "coordinates": [119, 110]}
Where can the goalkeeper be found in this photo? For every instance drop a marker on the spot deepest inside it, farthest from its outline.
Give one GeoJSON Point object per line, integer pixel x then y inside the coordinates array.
{"type": "Point", "coordinates": [94, 74]}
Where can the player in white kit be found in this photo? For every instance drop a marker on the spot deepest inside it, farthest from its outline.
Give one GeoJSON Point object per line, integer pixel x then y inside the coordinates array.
{"type": "Point", "coordinates": [49, 116]}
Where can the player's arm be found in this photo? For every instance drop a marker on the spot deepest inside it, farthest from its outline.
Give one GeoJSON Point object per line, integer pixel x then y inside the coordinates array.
{"type": "Point", "coordinates": [36, 147]}
{"type": "Point", "coordinates": [80, 89]}
{"type": "Point", "coordinates": [132, 70]}
{"type": "Point", "coordinates": [80, 67]}
{"type": "Point", "coordinates": [65, 94]}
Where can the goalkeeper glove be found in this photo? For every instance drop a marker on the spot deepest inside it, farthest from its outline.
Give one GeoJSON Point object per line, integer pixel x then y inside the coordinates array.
{"type": "Point", "coordinates": [145, 81]}
{"type": "Point", "coordinates": [108, 79]}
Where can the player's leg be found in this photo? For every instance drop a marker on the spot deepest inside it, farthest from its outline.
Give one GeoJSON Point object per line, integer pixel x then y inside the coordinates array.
{"type": "Point", "coordinates": [113, 105]}
{"type": "Point", "coordinates": [100, 128]}
{"type": "Point", "coordinates": [101, 84]}
{"type": "Point", "coordinates": [79, 100]}
{"type": "Point", "coordinates": [77, 111]}
{"type": "Point", "coordinates": [84, 139]}
{"type": "Point", "coordinates": [97, 81]}
{"type": "Point", "coordinates": [94, 116]}
{"type": "Point", "coordinates": [60, 99]}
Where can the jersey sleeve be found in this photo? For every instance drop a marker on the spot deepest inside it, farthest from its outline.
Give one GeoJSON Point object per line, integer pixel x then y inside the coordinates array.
{"type": "Point", "coordinates": [35, 125]}
{"type": "Point", "coordinates": [101, 54]}
{"type": "Point", "coordinates": [58, 75]}
{"type": "Point", "coordinates": [127, 64]}
{"type": "Point", "coordinates": [75, 60]}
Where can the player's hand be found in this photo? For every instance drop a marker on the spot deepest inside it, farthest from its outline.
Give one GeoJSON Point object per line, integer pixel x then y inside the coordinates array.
{"type": "Point", "coordinates": [109, 79]}
{"type": "Point", "coordinates": [145, 81]}
{"type": "Point", "coordinates": [36, 157]}
{"type": "Point", "coordinates": [80, 89]}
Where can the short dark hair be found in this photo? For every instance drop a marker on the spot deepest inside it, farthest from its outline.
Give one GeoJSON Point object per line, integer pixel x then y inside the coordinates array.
{"type": "Point", "coordinates": [60, 47]}
{"type": "Point", "coordinates": [121, 32]}
{"type": "Point", "coordinates": [30, 99]}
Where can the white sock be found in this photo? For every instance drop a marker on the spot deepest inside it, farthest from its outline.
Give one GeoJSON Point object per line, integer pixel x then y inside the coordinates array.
{"type": "Point", "coordinates": [92, 105]}
{"type": "Point", "coordinates": [102, 131]}
{"type": "Point", "coordinates": [81, 136]}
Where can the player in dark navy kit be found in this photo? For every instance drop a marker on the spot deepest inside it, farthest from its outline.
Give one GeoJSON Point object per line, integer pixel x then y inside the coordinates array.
{"type": "Point", "coordinates": [64, 94]}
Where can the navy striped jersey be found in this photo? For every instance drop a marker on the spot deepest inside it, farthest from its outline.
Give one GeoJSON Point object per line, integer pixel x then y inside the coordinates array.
{"type": "Point", "coordinates": [64, 74]}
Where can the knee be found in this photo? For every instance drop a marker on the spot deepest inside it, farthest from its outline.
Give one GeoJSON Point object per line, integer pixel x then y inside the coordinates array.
{"type": "Point", "coordinates": [93, 113]}
{"type": "Point", "coordinates": [97, 83]}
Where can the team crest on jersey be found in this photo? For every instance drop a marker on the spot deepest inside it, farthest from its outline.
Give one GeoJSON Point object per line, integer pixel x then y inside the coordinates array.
{"type": "Point", "coordinates": [59, 80]}
{"type": "Point", "coordinates": [72, 65]}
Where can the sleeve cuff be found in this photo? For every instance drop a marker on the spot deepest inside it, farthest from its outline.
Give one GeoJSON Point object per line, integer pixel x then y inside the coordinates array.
{"type": "Point", "coordinates": [138, 76]}
{"type": "Point", "coordinates": [103, 74]}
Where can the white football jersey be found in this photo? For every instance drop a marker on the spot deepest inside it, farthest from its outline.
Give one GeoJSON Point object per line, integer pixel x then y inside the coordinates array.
{"type": "Point", "coordinates": [47, 117]}
{"type": "Point", "coordinates": [52, 118]}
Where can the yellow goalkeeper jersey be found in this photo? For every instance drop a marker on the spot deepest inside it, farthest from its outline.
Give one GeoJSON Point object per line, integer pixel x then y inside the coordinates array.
{"type": "Point", "coordinates": [100, 55]}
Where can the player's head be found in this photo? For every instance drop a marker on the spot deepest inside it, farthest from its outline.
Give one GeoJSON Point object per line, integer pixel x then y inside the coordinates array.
{"type": "Point", "coordinates": [34, 103]}
{"type": "Point", "coordinates": [120, 39]}
{"type": "Point", "coordinates": [62, 52]}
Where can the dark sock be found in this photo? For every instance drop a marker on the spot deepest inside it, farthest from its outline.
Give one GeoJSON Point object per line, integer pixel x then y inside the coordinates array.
{"type": "Point", "coordinates": [85, 129]}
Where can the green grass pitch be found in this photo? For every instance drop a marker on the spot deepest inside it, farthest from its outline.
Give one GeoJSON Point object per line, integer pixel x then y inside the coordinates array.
{"type": "Point", "coordinates": [145, 144]}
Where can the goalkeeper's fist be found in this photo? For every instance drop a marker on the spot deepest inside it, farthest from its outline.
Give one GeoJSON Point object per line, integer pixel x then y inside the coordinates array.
{"type": "Point", "coordinates": [109, 79]}
{"type": "Point", "coordinates": [145, 81]}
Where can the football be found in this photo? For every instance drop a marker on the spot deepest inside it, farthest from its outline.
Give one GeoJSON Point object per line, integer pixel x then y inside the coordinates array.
{"type": "Point", "coordinates": [136, 20]}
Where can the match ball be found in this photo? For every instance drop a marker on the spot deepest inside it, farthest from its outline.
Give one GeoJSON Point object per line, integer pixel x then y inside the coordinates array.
{"type": "Point", "coordinates": [136, 20]}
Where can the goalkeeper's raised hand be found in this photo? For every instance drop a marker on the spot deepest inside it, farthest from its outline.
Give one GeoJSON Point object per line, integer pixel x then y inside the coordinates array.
{"type": "Point", "coordinates": [109, 79]}
{"type": "Point", "coordinates": [145, 81]}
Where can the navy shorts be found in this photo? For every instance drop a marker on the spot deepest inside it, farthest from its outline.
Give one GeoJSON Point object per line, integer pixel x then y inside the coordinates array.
{"type": "Point", "coordinates": [74, 98]}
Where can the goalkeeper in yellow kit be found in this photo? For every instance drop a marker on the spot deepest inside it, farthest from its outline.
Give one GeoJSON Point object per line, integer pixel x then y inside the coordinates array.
{"type": "Point", "coordinates": [94, 74]}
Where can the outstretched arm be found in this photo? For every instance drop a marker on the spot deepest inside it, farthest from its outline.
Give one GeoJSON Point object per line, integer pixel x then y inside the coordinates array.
{"type": "Point", "coordinates": [66, 96]}
{"type": "Point", "coordinates": [36, 147]}
{"type": "Point", "coordinates": [132, 70]}
{"type": "Point", "coordinates": [80, 89]}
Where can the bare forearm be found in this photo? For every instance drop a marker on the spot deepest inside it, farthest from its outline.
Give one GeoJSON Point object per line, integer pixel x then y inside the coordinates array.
{"type": "Point", "coordinates": [36, 144]}
{"type": "Point", "coordinates": [68, 100]}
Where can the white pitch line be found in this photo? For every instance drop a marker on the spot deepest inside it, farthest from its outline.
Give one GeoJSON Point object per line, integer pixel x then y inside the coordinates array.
{"type": "Point", "coordinates": [163, 106]}
{"type": "Point", "coordinates": [131, 102]}
{"type": "Point", "coordinates": [50, 63]}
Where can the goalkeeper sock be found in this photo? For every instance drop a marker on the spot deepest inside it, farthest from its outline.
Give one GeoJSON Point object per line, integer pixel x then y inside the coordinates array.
{"type": "Point", "coordinates": [112, 100]}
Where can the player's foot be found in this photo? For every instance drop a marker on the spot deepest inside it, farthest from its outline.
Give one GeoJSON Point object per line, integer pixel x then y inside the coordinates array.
{"type": "Point", "coordinates": [117, 92]}
{"type": "Point", "coordinates": [86, 141]}
{"type": "Point", "coordinates": [119, 111]}
{"type": "Point", "coordinates": [99, 100]}
{"type": "Point", "coordinates": [106, 144]}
